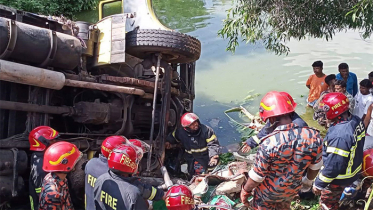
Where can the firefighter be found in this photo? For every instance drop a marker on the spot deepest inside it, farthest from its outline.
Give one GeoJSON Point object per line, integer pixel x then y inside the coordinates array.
{"type": "Point", "coordinates": [39, 138]}
{"type": "Point", "coordinates": [117, 189]}
{"type": "Point", "coordinates": [282, 158]}
{"type": "Point", "coordinates": [179, 197]}
{"type": "Point", "coordinates": [59, 159]}
{"type": "Point", "coordinates": [254, 141]}
{"type": "Point", "coordinates": [342, 151]}
{"type": "Point", "coordinates": [98, 166]}
{"type": "Point", "coordinates": [200, 143]}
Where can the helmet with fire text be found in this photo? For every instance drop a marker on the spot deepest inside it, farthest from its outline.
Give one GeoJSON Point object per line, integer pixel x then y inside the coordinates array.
{"type": "Point", "coordinates": [334, 104]}
{"type": "Point", "coordinates": [275, 104]}
{"type": "Point", "coordinates": [40, 137]}
{"type": "Point", "coordinates": [188, 118]}
{"type": "Point", "coordinates": [110, 143]}
{"type": "Point", "coordinates": [125, 158]}
{"type": "Point", "coordinates": [368, 162]}
{"type": "Point", "coordinates": [61, 157]}
{"type": "Point", "coordinates": [144, 146]}
{"type": "Point", "coordinates": [290, 98]}
{"type": "Point", "coordinates": [179, 197]}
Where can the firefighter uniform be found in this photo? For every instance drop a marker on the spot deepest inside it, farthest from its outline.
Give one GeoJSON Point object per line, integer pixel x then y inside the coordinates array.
{"type": "Point", "coordinates": [94, 168]}
{"type": "Point", "coordinates": [342, 156]}
{"type": "Point", "coordinates": [115, 192]}
{"type": "Point", "coordinates": [199, 147]}
{"type": "Point", "coordinates": [36, 178]}
{"type": "Point", "coordinates": [55, 194]}
{"type": "Point", "coordinates": [254, 141]}
{"type": "Point", "coordinates": [280, 162]}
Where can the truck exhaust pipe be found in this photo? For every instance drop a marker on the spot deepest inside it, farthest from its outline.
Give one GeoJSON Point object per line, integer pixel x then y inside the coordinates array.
{"type": "Point", "coordinates": [29, 75]}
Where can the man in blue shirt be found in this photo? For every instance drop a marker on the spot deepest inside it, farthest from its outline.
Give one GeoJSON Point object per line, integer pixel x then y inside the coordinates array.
{"type": "Point", "coordinates": [349, 77]}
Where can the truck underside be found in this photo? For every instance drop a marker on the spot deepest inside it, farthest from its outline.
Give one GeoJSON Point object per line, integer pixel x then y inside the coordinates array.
{"type": "Point", "coordinates": [89, 81]}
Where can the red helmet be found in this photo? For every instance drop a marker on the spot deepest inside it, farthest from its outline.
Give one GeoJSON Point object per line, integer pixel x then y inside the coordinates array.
{"type": "Point", "coordinates": [110, 143]}
{"type": "Point", "coordinates": [40, 137]}
{"type": "Point", "coordinates": [275, 104]}
{"type": "Point", "coordinates": [138, 143]}
{"type": "Point", "coordinates": [61, 157]}
{"type": "Point", "coordinates": [188, 118]}
{"type": "Point", "coordinates": [179, 197]}
{"type": "Point", "coordinates": [334, 104]}
{"type": "Point", "coordinates": [124, 158]}
{"type": "Point", "coordinates": [368, 162]}
{"type": "Point", "coordinates": [290, 98]}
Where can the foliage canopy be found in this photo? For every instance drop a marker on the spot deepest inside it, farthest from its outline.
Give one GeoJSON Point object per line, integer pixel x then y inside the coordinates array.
{"type": "Point", "coordinates": [274, 22]}
{"type": "Point", "coordinates": [52, 7]}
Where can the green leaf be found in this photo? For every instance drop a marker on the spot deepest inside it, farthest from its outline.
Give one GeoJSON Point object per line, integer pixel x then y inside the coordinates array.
{"type": "Point", "coordinates": [274, 23]}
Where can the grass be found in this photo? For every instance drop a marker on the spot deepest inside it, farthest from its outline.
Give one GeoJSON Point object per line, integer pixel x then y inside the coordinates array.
{"type": "Point", "coordinates": [308, 117]}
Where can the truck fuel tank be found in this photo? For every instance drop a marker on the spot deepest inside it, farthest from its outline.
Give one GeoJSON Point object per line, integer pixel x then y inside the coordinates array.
{"type": "Point", "coordinates": [38, 46]}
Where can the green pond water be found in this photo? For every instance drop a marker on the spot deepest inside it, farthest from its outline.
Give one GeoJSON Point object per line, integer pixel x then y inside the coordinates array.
{"type": "Point", "coordinates": [224, 80]}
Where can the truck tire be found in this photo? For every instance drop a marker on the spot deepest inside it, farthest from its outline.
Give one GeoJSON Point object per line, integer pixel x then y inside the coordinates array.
{"type": "Point", "coordinates": [174, 46]}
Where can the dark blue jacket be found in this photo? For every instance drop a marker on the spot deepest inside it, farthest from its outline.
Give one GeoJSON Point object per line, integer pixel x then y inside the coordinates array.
{"type": "Point", "coordinates": [94, 168]}
{"type": "Point", "coordinates": [199, 146]}
{"type": "Point", "coordinates": [254, 141]}
{"type": "Point", "coordinates": [36, 178]}
{"type": "Point", "coordinates": [115, 192]}
{"type": "Point", "coordinates": [342, 153]}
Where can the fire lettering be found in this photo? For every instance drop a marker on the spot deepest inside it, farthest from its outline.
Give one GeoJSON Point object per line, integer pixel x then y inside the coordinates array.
{"type": "Point", "coordinates": [125, 160]}
{"type": "Point", "coordinates": [336, 106]}
{"type": "Point", "coordinates": [105, 149]}
{"type": "Point", "coordinates": [186, 200]}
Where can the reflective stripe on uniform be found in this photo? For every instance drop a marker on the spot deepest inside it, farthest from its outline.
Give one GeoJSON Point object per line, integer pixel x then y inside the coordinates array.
{"type": "Point", "coordinates": [31, 203]}
{"type": "Point", "coordinates": [352, 156]}
{"type": "Point", "coordinates": [196, 150]}
{"type": "Point", "coordinates": [152, 195]}
{"type": "Point", "coordinates": [359, 137]}
{"type": "Point", "coordinates": [174, 135]}
{"type": "Point", "coordinates": [211, 138]}
{"type": "Point", "coordinates": [337, 151]}
{"type": "Point", "coordinates": [346, 176]}
{"type": "Point", "coordinates": [256, 139]}
{"type": "Point", "coordinates": [325, 179]}
{"type": "Point", "coordinates": [38, 190]}
{"type": "Point", "coordinates": [349, 173]}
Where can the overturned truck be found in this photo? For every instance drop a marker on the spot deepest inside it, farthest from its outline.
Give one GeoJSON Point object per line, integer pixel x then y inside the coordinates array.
{"type": "Point", "coordinates": [126, 75]}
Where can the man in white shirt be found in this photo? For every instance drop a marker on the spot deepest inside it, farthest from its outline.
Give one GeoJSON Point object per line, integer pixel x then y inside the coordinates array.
{"type": "Point", "coordinates": [363, 99]}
